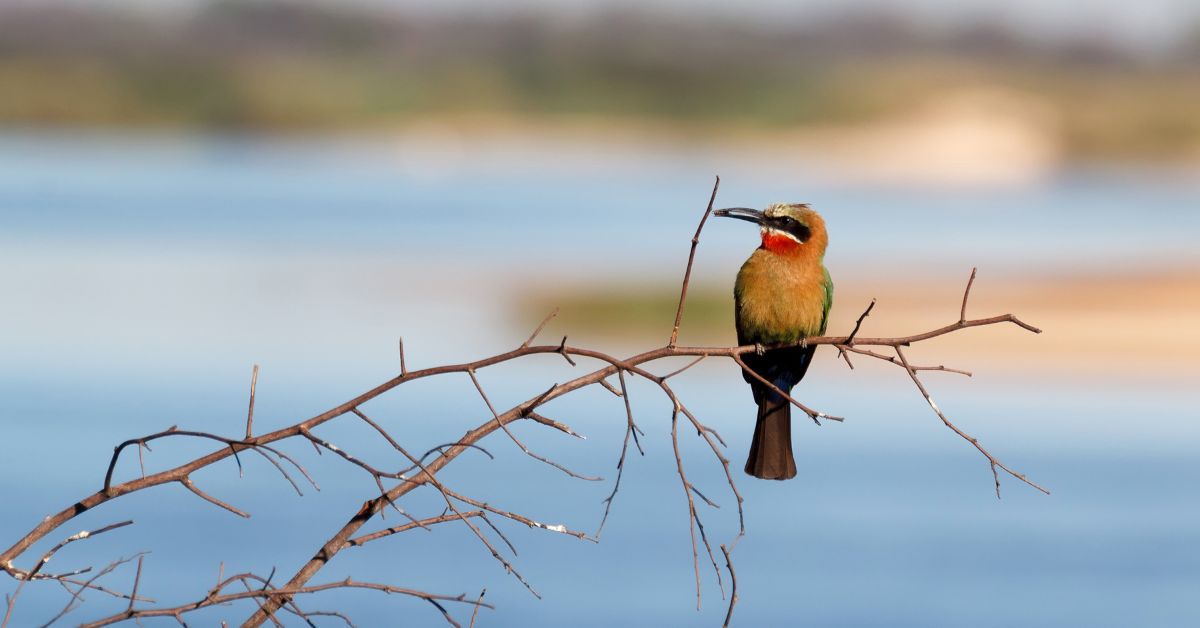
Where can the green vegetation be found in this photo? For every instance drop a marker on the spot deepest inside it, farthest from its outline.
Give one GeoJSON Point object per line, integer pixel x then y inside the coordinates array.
{"type": "Point", "coordinates": [284, 66]}
{"type": "Point", "coordinates": [636, 314]}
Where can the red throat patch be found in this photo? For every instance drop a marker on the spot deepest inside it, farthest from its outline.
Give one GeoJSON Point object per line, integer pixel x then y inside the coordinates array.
{"type": "Point", "coordinates": [779, 243]}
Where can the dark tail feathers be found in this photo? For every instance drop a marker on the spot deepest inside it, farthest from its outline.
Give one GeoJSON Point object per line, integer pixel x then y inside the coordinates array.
{"type": "Point", "coordinates": [771, 449]}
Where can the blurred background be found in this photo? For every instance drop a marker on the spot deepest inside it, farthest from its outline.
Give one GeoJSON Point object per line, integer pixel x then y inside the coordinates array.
{"type": "Point", "coordinates": [190, 187]}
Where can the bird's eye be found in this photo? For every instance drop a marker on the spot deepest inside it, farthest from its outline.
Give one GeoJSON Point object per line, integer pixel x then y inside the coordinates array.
{"type": "Point", "coordinates": [789, 221]}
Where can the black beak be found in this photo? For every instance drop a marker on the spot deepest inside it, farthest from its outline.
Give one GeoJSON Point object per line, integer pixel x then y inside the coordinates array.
{"type": "Point", "coordinates": [743, 213]}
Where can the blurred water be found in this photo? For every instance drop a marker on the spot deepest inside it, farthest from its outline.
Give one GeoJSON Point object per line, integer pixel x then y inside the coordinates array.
{"type": "Point", "coordinates": [142, 276]}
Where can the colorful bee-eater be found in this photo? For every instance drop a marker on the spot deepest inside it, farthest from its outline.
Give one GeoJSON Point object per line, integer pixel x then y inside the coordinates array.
{"type": "Point", "coordinates": [783, 294]}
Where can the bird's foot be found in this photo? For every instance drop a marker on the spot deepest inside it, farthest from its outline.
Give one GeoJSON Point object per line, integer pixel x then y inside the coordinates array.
{"type": "Point", "coordinates": [759, 349]}
{"type": "Point", "coordinates": [804, 343]}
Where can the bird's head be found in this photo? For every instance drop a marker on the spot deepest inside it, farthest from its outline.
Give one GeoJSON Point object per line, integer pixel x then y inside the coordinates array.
{"type": "Point", "coordinates": [787, 228]}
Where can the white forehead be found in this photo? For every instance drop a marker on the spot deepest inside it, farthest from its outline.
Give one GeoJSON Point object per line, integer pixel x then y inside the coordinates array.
{"type": "Point", "coordinates": [780, 209]}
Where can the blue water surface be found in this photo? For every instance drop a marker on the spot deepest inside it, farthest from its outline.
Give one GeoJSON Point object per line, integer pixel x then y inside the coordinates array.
{"type": "Point", "coordinates": [143, 276]}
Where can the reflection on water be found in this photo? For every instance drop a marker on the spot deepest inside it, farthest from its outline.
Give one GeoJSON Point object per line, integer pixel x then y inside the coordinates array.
{"type": "Point", "coordinates": [141, 280]}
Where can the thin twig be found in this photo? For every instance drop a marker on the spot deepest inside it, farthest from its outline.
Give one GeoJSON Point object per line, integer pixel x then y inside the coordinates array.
{"type": "Point", "coordinates": [684, 368]}
{"type": "Point", "coordinates": [970, 439]}
{"type": "Point", "coordinates": [562, 427]}
{"type": "Point", "coordinates": [423, 523]}
{"type": "Point", "coordinates": [137, 579]}
{"type": "Point", "coordinates": [687, 274]}
{"type": "Point", "coordinates": [609, 387]}
{"type": "Point", "coordinates": [250, 412]}
{"type": "Point", "coordinates": [850, 339]}
{"type": "Point", "coordinates": [733, 596]}
{"type": "Point", "coordinates": [79, 536]}
{"type": "Point", "coordinates": [562, 350]}
{"type": "Point", "coordinates": [962, 313]}
{"type": "Point", "coordinates": [813, 414]}
{"type": "Point", "coordinates": [528, 452]}
{"type": "Point", "coordinates": [403, 364]}
{"type": "Point", "coordinates": [70, 605]}
{"type": "Point", "coordinates": [216, 598]}
{"type": "Point", "coordinates": [475, 612]}
{"type": "Point", "coordinates": [187, 483]}
{"type": "Point", "coordinates": [540, 327]}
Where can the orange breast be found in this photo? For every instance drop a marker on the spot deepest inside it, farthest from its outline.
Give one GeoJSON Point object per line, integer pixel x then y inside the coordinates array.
{"type": "Point", "coordinates": [779, 298]}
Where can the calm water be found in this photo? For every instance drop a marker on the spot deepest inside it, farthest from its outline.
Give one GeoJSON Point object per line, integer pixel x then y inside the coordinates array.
{"type": "Point", "coordinates": [142, 278]}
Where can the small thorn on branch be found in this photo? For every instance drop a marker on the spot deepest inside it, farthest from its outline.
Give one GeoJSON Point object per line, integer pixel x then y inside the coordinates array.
{"type": "Point", "coordinates": [249, 413]}
{"type": "Point", "coordinates": [962, 313]}
{"type": "Point", "coordinates": [609, 387]}
{"type": "Point", "coordinates": [187, 482]}
{"type": "Point", "coordinates": [540, 327]}
{"type": "Point", "coordinates": [528, 408]}
{"type": "Point", "coordinates": [562, 427]}
{"type": "Point", "coordinates": [562, 350]}
{"type": "Point", "coordinates": [137, 578]}
{"type": "Point", "coordinates": [478, 603]}
{"type": "Point", "coordinates": [403, 364]}
{"type": "Point", "coordinates": [850, 339]}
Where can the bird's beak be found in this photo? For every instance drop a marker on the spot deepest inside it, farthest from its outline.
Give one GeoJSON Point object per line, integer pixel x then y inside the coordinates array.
{"type": "Point", "coordinates": [743, 213]}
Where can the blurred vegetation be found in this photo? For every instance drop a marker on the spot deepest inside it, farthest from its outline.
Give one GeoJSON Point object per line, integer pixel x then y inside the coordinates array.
{"type": "Point", "coordinates": [290, 66]}
{"type": "Point", "coordinates": [621, 312]}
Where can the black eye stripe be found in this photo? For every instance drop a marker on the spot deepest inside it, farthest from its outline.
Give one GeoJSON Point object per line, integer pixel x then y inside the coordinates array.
{"type": "Point", "coordinates": [792, 226]}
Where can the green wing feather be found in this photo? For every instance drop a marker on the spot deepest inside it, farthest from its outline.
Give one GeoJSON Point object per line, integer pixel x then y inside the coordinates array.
{"type": "Point", "coordinates": [828, 301]}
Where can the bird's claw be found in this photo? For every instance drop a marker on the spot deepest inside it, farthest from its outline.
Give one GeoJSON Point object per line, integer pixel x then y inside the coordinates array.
{"type": "Point", "coordinates": [759, 349]}
{"type": "Point", "coordinates": [804, 343]}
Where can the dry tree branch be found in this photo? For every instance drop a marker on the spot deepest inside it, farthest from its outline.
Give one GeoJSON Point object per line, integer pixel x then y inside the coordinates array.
{"type": "Point", "coordinates": [34, 574]}
{"type": "Point", "coordinates": [854, 332]}
{"type": "Point", "coordinates": [970, 439]}
{"type": "Point", "coordinates": [733, 596]}
{"type": "Point", "coordinates": [89, 584]}
{"type": "Point", "coordinates": [403, 364]}
{"type": "Point", "coordinates": [216, 598]}
{"type": "Point", "coordinates": [423, 471]}
{"type": "Point", "coordinates": [513, 437]}
{"type": "Point", "coordinates": [687, 274]}
{"type": "Point", "coordinates": [250, 412]}
{"type": "Point", "coordinates": [478, 603]}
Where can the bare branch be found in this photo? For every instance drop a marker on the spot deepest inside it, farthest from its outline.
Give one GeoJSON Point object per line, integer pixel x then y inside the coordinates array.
{"type": "Point", "coordinates": [812, 414]}
{"type": "Point", "coordinates": [733, 596]}
{"type": "Point", "coordinates": [687, 274]}
{"type": "Point", "coordinates": [478, 602]}
{"type": "Point", "coordinates": [187, 482]}
{"type": "Point", "coordinates": [609, 387]}
{"type": "Point", "coordinates": [970, 439]}
{"type": "Point", "coordinates": [632, 425]}
{"type": "Point", "coordinates": [562, 427]}
{"type": "Point", "coordinates": [137, 579]}
{"type": "Point", "coordinates": [518, 442]}
{"type": "Point", "coordinates": [88, 584]}
{"type": "Point", "coordinates": [540, 327]}
{"type": "Point", "coordinates": [962, 313]}
{"type": "Point", "coordinates": [684, 368]}
{"type": "Point", "coordinates": [562, 350]}
{"type": "Point", "coordinates": [423, 523]}
{"type": "Point", "coordinates": [216, 598]}
{"type": "Point", "coordinates": [559, 528]}
{"type": "Point", "coordinates": [850, 339]}
{"type": "Point", "coordinates": [250, 412]}
{"type": "Point", "coordinates": [403, 365]}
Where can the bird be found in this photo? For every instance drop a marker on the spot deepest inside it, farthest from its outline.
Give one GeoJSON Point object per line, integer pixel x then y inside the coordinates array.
{"type": "Point", "coordinates": [783, 294]}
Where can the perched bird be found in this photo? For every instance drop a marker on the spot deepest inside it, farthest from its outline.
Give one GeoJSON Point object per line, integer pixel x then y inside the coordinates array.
{"type": "Point", "coordinates": [782, 295]}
